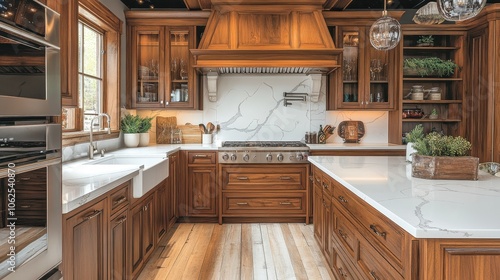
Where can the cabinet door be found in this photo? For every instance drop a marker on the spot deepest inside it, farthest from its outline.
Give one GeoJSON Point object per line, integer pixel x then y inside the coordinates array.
{"type": "Point", "coordinates": [202, 192]}
{"type": "Point", "coordinates": [367, 73]}
{"type": "Point", "coordinates": [181, 79]}
{"type": "Point", "coordinates": [161, 210]}
{"type": "Point", "coordinates": [118, 245]}
{"type": "Point", "coordinates": [147, 67]}
{"type": "Point", "coordinates": [172, 189]}
{"type": "Point", "coordinates": [85, 247]}
{"type": "Point", "coordinates": [136, 236]}
{"type": "Point", "coordinates": [327, 224]}
{"type": "Point", "coordinates": [318, 216]}
{"type": "Point", "coordinates": [148, 227]}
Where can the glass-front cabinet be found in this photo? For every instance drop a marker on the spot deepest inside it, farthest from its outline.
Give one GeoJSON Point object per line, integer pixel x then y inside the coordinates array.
{"type": "Point", "coordinates": [367, 77]}
{"type": "Point", "coordinates": [161, 68]}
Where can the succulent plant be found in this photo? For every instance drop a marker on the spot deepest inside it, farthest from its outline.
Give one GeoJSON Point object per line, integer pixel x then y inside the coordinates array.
{"type": "Point", "coordinates": [415, 134]}
{"type": "Point", "coordinates": [145, 124]}
{"type": "Point", "coordinates": [130, 124]}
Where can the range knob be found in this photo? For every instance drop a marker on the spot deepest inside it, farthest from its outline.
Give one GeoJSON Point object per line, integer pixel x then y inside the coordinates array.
{"type": "Point", "coordinates": [269, 157]}
{"type": "Point", "coordinates": [225, 157]}
{"type": "Point", "coordinates": [280, 157]}
{"type": "Point", "coordinates": [299, 157]}
{"type": "Point", "coordinates": [233, 157]}
{"type": "Point", "coordinates": [246, 157]}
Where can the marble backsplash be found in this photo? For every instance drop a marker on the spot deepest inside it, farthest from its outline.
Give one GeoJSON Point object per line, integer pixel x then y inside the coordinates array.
{"type": "Point", "coordinates": [250, 107]}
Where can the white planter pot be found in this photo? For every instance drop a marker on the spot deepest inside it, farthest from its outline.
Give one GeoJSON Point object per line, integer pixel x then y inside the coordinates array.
{"type": "Point", "coordinates": [143, 139]}
{"type": "Point", "coordinates": [131, 139]}
{"type": "Point", "coordinates": [409, 151]}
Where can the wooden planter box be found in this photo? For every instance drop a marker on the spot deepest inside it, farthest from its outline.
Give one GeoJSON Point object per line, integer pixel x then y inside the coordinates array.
{"type": "Point", "coordinates": [448, 168]}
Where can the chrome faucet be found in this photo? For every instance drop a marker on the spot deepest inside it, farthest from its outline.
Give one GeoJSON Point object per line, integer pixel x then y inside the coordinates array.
{"type": "Point", "coordinates": [92, 147]}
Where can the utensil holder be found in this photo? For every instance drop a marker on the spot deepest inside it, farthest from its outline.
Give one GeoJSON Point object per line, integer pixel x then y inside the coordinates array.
{"type": "Point", "coordinates": [206, 139]}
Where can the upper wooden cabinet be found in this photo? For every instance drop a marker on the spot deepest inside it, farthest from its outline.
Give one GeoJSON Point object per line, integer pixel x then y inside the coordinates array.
{"type": "Point", "coordinates": [161, 68]}
{"type": "Point", "coordinates": [368, 78]}
{"type": "Point", "coordinates": [160, 71]}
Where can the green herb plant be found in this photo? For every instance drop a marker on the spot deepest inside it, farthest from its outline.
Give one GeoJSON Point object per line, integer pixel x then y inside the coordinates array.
{"type": "Point", "coordinates": [145, 124]}
{"type": "Point", "coordinates": [415, 134]}
{"type": "Point", "coordinates": [436, 144]}
{"type": "Point", "coordinates": [130, 124]}
{"type": "Point", "coordinates": [425, 40]}
{"type": "Point", "coordinates": [430, 66]}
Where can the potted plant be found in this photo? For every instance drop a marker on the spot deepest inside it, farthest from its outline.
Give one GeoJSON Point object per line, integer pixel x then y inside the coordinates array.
{"type": "Point", "coordinates": [428, 66]}
{"type": "Point", "coordinates": [434, 114]}
{"type": "Point", "coordinates": [412, 137]}
{"type": "Point", "coordinates": [444, 157]}
{"type": "Point", "coordinates": [425, 41]}
{"type": "Point", "coordinates": [144, 131]}
{"type": "Point", "coordinates": [130, 126]}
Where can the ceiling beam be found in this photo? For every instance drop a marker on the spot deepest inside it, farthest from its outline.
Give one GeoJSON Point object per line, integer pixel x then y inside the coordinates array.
{"type": "Point", "coordinates": [192, 4]}
{"type": "Point", "coordinates": [337, 5]}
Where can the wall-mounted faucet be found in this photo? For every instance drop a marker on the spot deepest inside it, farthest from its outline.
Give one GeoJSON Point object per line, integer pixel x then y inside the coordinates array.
{"type": "Point", "coordinates": [92, 147]}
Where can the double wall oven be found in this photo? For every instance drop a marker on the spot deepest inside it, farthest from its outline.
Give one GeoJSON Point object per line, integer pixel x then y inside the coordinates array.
{"type": "Point", "coordinates": [30, 140]}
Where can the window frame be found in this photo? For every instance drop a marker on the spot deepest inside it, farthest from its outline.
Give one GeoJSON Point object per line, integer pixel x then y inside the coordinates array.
{"type": "Point", "coordinates": [97, 16]}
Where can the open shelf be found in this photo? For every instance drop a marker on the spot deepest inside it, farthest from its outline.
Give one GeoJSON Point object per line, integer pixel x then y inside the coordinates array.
{"type": "Point", "coordinates": [429, 120]}
{"type": "Point", "coordinates": [432, 101]}
{"type": "Point", "coordinates": [419, 79]}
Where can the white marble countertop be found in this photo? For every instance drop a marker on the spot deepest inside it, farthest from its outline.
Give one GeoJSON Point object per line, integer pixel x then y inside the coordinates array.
{"type": "Point", "coordinates": [354, 146]}
{"type": "Point", "coordinates": [424, 208]}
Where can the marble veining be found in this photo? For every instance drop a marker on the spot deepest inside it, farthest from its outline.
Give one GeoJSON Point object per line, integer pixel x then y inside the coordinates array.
{"type": "Point", "coordinates": [424, 208]}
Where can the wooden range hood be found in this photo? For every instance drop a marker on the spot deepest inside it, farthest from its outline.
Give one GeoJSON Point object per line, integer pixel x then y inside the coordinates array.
{"type": "Point", "coordinates": [266, 37]}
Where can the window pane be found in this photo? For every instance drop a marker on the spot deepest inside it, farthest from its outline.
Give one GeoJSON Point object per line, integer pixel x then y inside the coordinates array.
{"type": "Point", "coordinates": [91, 96]}
{"type": "Point", "coordinates": [92, 52]}
{"type": "Point", "coordinates": [80, 46]}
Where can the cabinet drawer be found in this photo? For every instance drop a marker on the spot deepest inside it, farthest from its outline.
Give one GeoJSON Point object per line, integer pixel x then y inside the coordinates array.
{"type": "Point", "coordinates": [119, 198]}
{"type": "Point", "coordinates": [254, 178]}
{"type": "Point", "coordinates": [201, 157]}
{"type": "Point", "coordinates": [268, 204]}
{"type": "Point", "coordinates": [345, 234]}
{"type": "Point", "coordinates": [381, 230]}
{"type": "Point", "coordinates": [327, 185]}
{"type": "Point", "coordinates": [317, 176]}
{"type": "Point", "coordinates": [343, 270]}
{"type": "Point", "coordinates": [373, 265]}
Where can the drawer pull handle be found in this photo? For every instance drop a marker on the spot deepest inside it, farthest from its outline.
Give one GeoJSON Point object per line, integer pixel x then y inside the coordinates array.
{"type": "Point", "coordinates": [200, 156]}
{"type": "Point", "coordinates": [342, 199]}
{"type": "Point", "coordinates": [121, 220]}
{"type": "Point", "coordinates": [285, 178]}
{"type": "Point", "coordinates": [25, 206]}
{"type": "Point", "coordinates": [92, 215]}
{"type": "Point", "coordinates": [373, 275]}
{"type": "Point", "coordinates": [342, 273]}
{"type": "Point", "coordinates": [342, 234]}
{"type": "Point", "coordinates": [145, 208]}
{"type": "Point", "coordinates": [374, 229]}
{"type": "Point", "coordinates": [119, 200]}
{"type": "Point", "coordinates": [242, 178]}
{"type": "Point", "coordinates": [325, 186]}
{"type": "Point", "coordinates": [318, 180]}
{"type": "Point", "coordinates": [241, 203]}
{"type": "Point", "coordinates": [285, 203]}
{"type": "Point", "coordinates": [311, 178]}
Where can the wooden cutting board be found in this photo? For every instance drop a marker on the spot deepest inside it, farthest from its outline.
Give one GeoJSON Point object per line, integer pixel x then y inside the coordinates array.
{"type": "Point", "coordinates": [164, 126]}
{"type": "Point", "coordinates": [191, 134]}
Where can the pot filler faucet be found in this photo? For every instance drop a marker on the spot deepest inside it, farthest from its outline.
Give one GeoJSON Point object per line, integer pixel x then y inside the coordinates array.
{"type": "Point", "coordinates": [92, 147]}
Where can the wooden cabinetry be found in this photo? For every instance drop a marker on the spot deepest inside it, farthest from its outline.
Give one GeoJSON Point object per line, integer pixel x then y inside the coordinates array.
{"type": "Point", "coordinates": [368, 78]}
{"type": "Point", "coordinates": [172, 184]}
{"type": "Point", "coordinates": [322, 212]}
{"type": "Point", "coordinates": [450, 107]}
{"type": "Point", "coordinates": [160, 64]}
{"type": "Point", "coordinates": [118, 245]}
{"type": "Point", "coordinates": [201, 184]}
{"type": "Point", "coordinates": [162, 202]}
{"type": "Point", "coordinates": [276, 193]}
{"type": "Point", "coordinates": [142, 233]}
{"type": "Point", "coordinates": [85, 240]}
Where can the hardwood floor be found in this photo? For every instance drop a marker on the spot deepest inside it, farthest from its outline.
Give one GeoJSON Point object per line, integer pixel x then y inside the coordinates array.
{"type": "Point", "coordinates": [238, 251]}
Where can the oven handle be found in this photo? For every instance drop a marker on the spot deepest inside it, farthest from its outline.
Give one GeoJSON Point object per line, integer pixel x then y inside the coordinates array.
{"type": "Point", "coordinates": [19, 169]}
{"type": "Point", "coordinates": [25, 35]}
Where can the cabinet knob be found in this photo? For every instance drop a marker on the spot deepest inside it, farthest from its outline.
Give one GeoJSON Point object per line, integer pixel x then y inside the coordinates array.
{"type": "Point", "coordinates": [374, 275]}
{"type": "Point", "coordinates": [161, 102]}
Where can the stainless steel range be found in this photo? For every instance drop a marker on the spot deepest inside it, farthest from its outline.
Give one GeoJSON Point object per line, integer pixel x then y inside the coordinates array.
{"type": "Point", "coordinates": [263, 152]}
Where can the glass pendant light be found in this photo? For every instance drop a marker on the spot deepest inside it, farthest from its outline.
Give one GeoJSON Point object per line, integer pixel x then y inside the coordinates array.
{"type": "Point", "coordinates": [385, 33]}
{"type": "Point", "coordinates": [457, 10]}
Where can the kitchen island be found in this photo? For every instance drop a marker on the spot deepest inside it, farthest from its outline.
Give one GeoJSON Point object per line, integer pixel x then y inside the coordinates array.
{"type": "Point", "coordinates": [384, 223]}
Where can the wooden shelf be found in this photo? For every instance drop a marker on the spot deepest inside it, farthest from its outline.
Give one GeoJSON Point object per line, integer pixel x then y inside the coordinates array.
{"type": "Point", "coordinates": [432, 101]}
{"type": "Point", "coordinates": [378, 82]}
{"type": "Point", "coordinates": [180, 81]}
{"type": "Point", "coordinates": [148, 80]}
{"type": "Point", "coordinates": [431, 48]}
{"type": "Point", "coordinates": [429, 120]}
{"type": "Point", "coordinates": [419, 79]}
{"type": "Point", "coordinates": [350, 82]}
{"type": "Point", "coordinates": [175, 44]}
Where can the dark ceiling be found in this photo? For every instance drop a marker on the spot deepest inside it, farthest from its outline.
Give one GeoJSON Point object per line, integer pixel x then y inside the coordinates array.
{"type": "Point", "coordinates": [354, 5]}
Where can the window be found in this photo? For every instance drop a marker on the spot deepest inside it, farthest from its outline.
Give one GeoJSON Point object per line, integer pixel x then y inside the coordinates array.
{"type": "Point", "coordinates": [90, 96]}
{"type": "Point", "coordinates": [90, 69]}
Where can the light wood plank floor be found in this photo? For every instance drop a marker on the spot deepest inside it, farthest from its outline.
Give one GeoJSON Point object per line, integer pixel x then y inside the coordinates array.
{"type": "Point", "coordinates": [238, 251]}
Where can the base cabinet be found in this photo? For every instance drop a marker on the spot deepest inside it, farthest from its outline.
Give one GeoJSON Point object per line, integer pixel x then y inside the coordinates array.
{"type": "Point", "coordinates": [161, 220]}
{"type": "Point", "coordinates": [171, 189]}
{"type": "Point", "coordinates": [85, 243]}
{"type": "Point", "coordinates": [143, 233]}
{"type": "Point", "coordinates": [118, 249]}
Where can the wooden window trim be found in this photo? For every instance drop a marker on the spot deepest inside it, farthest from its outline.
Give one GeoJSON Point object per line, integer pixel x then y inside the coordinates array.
{"type": "Point", "coordinates": [97, 15]}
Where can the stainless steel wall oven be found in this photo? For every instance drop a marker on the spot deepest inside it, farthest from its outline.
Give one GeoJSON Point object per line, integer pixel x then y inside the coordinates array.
{"type": "Point", "coordinates": [30, 140]}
